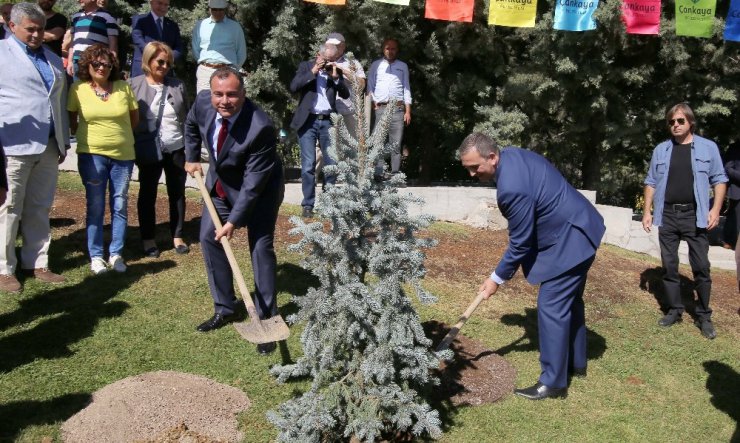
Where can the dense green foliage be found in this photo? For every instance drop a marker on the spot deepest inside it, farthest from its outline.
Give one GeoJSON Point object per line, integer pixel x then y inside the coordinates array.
{"type": "Point", "coordinates": [592, 102]}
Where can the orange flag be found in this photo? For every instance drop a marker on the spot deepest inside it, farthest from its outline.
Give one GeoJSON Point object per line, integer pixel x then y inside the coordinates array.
{"type": "Point", "coordinates": [450, 10]}
{"type": "Point", "coordinates": [328, 2]}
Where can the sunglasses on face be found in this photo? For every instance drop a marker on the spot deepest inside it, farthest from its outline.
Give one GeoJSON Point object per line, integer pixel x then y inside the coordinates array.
{"type": "Point", "coordinates": [681, 121]}
{"type": "Point", "coordinates": [97, 65]}
{"type": "Point", "coordinates": [162, 63]}
{"type": "Point", "coordinates": [218, 9]}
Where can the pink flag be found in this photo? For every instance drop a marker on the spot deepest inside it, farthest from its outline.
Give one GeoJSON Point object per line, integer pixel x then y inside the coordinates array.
{"type": "Point", "coordinates": [641, 16]}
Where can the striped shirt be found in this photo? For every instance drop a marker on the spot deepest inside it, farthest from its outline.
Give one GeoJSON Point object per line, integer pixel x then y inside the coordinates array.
{"type": "Point", "coordinates": [91, 28]}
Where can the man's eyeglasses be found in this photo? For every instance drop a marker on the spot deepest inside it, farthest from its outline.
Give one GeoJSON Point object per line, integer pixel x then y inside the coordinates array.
{"type": "Point", "coordinates": [97, 65]}
{"type": "Point", "coordinates": [162, 63]}
{"type": "Point", "coordinates": [217, 9]}
{"type": "Point", "coordinates": [681, 121]}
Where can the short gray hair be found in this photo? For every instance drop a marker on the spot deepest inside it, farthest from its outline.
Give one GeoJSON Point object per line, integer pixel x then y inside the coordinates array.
{"type": "Point", "coordinates": [31, 11]}
{"type": "Point", "coordinates": [328, 50]}
{"type": "Point", "coordinates": [480, 142]}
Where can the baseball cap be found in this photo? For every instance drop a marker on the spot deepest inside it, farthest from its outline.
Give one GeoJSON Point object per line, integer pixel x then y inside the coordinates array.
{"type": "Point", "coordinates": [334, 38]}
{"type": "Point", "coordinates": [217, 4]}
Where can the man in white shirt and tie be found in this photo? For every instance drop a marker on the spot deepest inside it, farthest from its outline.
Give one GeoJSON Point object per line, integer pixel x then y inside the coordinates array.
{"type": "Point", "coordinates": [389, 87]}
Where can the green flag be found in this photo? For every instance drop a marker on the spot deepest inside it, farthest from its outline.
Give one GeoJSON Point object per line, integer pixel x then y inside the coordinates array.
{"type": "Point", "coordinates": [694, 18]}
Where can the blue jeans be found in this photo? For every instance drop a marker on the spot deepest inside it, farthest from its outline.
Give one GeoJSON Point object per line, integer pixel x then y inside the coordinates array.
{"type": "Point", "coordinates": [99, 173]}
{"type": "Point", "coordinates": [311, 131]}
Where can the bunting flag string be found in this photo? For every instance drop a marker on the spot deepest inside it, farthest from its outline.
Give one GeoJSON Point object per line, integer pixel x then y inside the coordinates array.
{"type": "Point", "coordinates": [694, 18]}
{"type": "Point", "coordinates": [575, 15]}
{"type": "Point", "coordinates": [514, 13]}
{"type": "Point", "coordinates": [450, 10]}
{"type": "Point", "coordinates": [641, 16]}
{"type": "Point", "coordinates": [732, 24]}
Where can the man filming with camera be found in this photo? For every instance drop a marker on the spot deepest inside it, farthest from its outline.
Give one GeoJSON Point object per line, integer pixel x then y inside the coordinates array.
{"type": "Point", "coordinates": [319, 81]}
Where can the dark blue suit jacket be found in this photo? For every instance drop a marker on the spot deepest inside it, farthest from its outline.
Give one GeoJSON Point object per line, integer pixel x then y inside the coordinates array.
{"type": "Point", "coordinates": [305, 83]}
{"type": "Point", "coordinates": [732, 169]}
{"type": "Point", "coordinates": [248, 166]}
{"type": "Point", "coordinates": [552, 226]}
{"type": "Point", "coordinates": [144, 30]}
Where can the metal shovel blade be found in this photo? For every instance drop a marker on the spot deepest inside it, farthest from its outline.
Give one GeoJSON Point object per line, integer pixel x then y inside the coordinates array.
{"type": "Point", "coordinates": [263, 331]}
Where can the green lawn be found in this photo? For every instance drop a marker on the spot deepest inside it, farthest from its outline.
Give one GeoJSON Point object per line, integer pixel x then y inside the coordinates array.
{"type": "Point", "coordinates": [58, 345]}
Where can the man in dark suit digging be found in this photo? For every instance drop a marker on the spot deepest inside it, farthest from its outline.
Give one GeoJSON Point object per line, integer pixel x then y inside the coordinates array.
{"type": "Point", "coordinates": [553, 235]}
{"type": "Point", "coordinates": [245, 181]}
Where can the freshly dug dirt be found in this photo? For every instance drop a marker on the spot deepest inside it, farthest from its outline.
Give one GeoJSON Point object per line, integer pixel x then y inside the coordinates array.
{"type": "Point", "coordinates": [475, 376]}
{"type": "Point", "coordinates": [159, 407]}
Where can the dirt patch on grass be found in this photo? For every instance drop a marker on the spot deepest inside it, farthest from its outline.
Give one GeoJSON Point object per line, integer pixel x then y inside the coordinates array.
{"type": "Point", "coordinates": [475, 375]}
{"type": "Point", "coordinates": [160, 406]}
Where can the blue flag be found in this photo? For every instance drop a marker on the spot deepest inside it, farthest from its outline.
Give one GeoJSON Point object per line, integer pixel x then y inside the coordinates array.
{"type": "Point", "coordinates": [732, 24]}
{"type": "Point", "coordinates": [575, 15]}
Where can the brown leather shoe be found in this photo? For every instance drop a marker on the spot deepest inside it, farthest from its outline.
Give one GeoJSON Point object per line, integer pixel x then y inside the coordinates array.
{"type": "Point", "coordinates": [9, 283]}
{"type": "Point", "coordinates": [46, 276]}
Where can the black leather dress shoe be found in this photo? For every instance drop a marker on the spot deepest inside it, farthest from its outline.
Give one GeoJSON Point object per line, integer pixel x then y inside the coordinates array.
{"type": "Point", "coordinates": [578, 372]}
{"type": "Point", "coordinates": [669, 319]}
{"type": "Point", "coordinates": [215, 322]}
{"type": "Point", "coordinates": [266, 348]}
{"type": "Point", "coordinates": [152, 252]}
{"type": "Point", "coordinates": [182, 249]}
{"type": "Point", "coordinates": [541, 392]}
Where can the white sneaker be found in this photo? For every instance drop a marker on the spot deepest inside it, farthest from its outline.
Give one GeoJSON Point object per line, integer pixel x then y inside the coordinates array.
{"type": "Point", "coordinates": [98, 266]}
{"type": "Point", "coordinates": [116, 262]}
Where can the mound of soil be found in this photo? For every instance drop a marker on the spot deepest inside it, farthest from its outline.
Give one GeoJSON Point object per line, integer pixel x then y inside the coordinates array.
{"type": "Point", "coordinates": [162, 406]}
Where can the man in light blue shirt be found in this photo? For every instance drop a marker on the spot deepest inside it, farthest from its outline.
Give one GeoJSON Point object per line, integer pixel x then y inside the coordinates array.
{"type": "Point", "coordinates": [682, 171]}
{"type": "Point", "coordinates": [218, 41]}
{"type": "Point", "coordinates": [388, 86]}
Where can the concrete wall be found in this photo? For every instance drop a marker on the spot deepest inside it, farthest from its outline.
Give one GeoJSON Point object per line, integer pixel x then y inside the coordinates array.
{"type": "Point", "coordinates": [476, 206]}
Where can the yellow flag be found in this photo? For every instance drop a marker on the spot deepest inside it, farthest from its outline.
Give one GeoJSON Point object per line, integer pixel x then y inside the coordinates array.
{"type": "Point", "coordinates": [515, 13]}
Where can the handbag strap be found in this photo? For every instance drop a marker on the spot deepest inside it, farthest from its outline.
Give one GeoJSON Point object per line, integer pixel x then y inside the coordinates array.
{"type": "Point", "coordinates": [161, 108]}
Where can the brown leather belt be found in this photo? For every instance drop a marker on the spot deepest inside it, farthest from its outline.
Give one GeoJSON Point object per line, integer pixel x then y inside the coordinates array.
{"type": "Point", "coordinates": [399, 104]}
{"type": "Point", "coordinates": [214, 65]}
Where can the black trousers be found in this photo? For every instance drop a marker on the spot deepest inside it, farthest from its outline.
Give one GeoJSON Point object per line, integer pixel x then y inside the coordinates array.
{"type": "Point", "coordinates": [732, 223]}
{"type": "Point", "coordinates": [173, 165]}
{"type": "Point", "coordinates": [677, 226]}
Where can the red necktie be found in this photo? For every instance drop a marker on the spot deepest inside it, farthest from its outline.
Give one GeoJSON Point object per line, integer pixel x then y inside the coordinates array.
{"type": "Point", "coordinates": [222, 133]}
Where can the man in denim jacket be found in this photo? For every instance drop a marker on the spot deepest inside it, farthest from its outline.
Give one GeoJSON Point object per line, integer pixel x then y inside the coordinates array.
{"type": "Point", "coordinates": [677, 186]}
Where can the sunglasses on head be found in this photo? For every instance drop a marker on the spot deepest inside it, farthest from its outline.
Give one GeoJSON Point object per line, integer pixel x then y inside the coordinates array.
{"type": "Point", "coordinates": [162, 63]}
{"type": "Point", "coordinates": [681, 121]}
{"type": "Point", "coordinates": [97, 65]}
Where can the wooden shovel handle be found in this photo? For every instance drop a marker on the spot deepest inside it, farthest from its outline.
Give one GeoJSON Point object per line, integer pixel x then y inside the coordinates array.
{"type": "Point", "coordinates": [455, 329]}
{"type": "Point", "coordinates": [227, 248]}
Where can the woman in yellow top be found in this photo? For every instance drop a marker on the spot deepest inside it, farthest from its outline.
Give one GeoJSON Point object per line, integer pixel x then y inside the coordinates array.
{"type": "Point", "coordinates": [102, 112]}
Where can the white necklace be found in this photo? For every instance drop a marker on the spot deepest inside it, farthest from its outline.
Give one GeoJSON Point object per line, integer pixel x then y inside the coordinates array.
{"type": "Point", "coordinates": [102, 94]}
